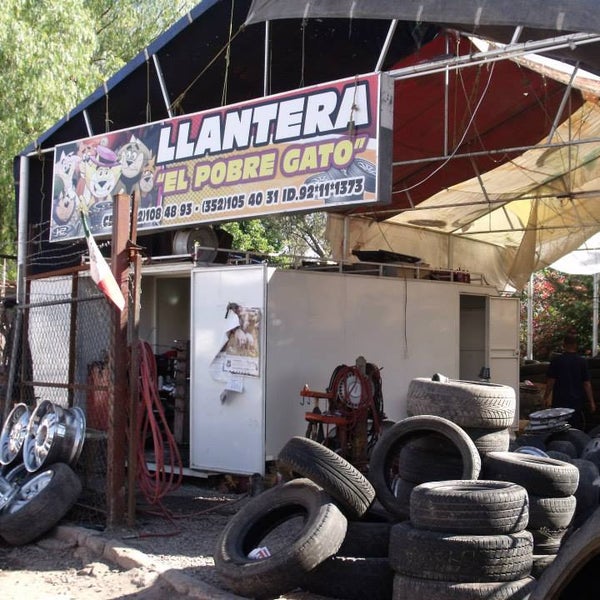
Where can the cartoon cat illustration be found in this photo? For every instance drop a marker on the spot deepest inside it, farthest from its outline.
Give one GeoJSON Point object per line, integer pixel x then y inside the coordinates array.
{"type": "Point", "coordinates": [149, 195]}
{"type": "Point", "coordinates": [67, 167]}
{"type": "Point", "coordinates": [64, 201]}
{"type": "Point", "coordinates": [132, 157]}
{"type": "Point", "coordinates": [102, 176]}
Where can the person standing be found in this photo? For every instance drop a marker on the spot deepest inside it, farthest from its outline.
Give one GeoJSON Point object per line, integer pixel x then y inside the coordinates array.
{"type": "Point", "coordinates": [568, 382]}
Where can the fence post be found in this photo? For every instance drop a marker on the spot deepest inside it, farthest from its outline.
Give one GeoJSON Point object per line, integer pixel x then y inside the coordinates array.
{"type": "Point", "coordinates": [117, 432]}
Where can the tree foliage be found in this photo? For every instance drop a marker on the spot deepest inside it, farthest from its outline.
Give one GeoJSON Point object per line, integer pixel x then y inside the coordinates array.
{"type": "Point", "coordinates": [560, 302]}
{"type": "Point", "coordinates": [53, 55]}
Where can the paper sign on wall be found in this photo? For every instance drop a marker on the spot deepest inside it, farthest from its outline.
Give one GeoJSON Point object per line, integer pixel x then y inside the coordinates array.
{"type": "Point", "coordinates": [240, 352]}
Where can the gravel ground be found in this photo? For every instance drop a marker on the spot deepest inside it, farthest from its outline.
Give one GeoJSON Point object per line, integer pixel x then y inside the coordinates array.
{"type": "Point", "coordinates": [183, 536]}
{"type": "Point", "coordinates": [168, 554]}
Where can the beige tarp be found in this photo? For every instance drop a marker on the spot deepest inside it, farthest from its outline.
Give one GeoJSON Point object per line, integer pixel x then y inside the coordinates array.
{"type": "Point", "coordinates": [511, 221]}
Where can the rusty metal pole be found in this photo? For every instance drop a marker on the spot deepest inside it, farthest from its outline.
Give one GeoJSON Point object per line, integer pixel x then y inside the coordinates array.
{"type": "Point", "coordinates": [117, 432]}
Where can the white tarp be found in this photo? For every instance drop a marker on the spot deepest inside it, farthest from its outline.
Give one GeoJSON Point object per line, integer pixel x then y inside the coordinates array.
{"type": "Point", "coordinates": [583, 261]}
{"type": "Point", "coordinates": [506, 224]}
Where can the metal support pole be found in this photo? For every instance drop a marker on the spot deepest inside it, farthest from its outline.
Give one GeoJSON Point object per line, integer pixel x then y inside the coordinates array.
{"type": "Point", "coordinates": [22, 226]}
{"type": "Point", "coordinates": [267, 60]}
{"type": "Point", "coordinates": [595, 317]}
{"type": "Point", "coordinates": [530, 318]}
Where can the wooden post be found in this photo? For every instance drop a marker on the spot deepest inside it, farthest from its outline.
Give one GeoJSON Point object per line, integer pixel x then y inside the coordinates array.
{"type": "Point", "coordinates": [117, 431]}
{"type": "Point", "coordinates": [134, 372]}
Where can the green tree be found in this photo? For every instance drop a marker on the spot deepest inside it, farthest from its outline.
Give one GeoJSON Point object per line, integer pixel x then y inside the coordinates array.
{"type": "Point", "coordinates": [295, 235]}
{"type": "Point", "coordinates": [560, 302]}
{"type": "Point", "coordinates": [53, 55]}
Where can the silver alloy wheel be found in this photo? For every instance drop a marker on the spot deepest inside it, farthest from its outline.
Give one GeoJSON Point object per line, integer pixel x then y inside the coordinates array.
{"type": "Point", "coordinates": [7, 493]}
{"type": "Point", "coordinates": [16, 474]}
{"type": "Point", "coordinates": [14, 432]}
{"type": "Point", "coordinates": [54, 434]}
{"type": "Point", "coordinates": [29, 490]}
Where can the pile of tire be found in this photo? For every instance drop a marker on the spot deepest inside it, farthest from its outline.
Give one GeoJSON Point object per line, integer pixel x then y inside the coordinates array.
{"type": "Point", "coordinates": [578, 448]}
{"type": "Point", "coordinates": [405, 531]}
{"type": "Point", "coordinates": [38, 485]}
{"type": "Point", "coordinates": [318, 531]}
{"type": "Point", "coordinates": [464, 539]}
{"type": "Point", "coordinates": [451, 425]}
{"type": "Point", "coordinates": [551, 485]}
{"type": "Point", "coordinates": [485, 411]}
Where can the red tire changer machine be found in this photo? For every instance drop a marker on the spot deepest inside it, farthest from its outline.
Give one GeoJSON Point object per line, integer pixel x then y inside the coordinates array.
{"type": "Point", "coordinates": [352, 421]}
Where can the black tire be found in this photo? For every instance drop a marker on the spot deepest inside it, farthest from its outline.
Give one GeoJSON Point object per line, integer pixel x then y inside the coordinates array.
{"type": "Point", "coordinates": [592, 451]}
{"type": "Point", "coordinates": [413, 588]}
{"type": "Point", "coordinates": [377, 514]}
{"type": "Point", "coordinates": [401, 491]}
{"type": "Point", "coordinates": [547, 541]}
{"type": "Point", "coordinates": [560, 456]}
{"type": "Point", "coordinates": [536, 440]}
{"type": "Point", "coordinates": [490, 557]}
{"type": "Point", "coordinates": [466, 403]}
{"type": "Point", "coordinates": [489, 440]}
{"type": "Point", "coordinates": [419, 463]}
{"type": "Point", "coordinates": [44, 498]}
{"type": "Point", "coordinates": [594, 431]}
{"type": "Point", "coordinates": [349, 578]}
{"type": "Point", "coordinates": [572, 565]}
{"type": "Point", "coordinates": [540, 563]}
{"type": "Point", "coordinates": [383, 465]}
{"type": "Point", "coordinates": [587, 493]}
{"type": "Point", "coordinates": [551, 512]}
{"type": "Point", "coordinates": [539, 476]}
{"type": "Point", "coordinates": [324, 529]}
{"type": "Point", "coordinates": [366, 540]}
{"type": "Point", "coordinates": [564, 446]}
{"type": "Point", "coordinates": [346, 484]}
{"type": "Point", "coordinates": [577, 437]}
{"type": "Point", "coordinates": [470, 507]}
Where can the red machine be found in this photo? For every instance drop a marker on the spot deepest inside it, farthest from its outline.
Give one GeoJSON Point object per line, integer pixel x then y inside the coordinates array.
{"type": "Point", "coordinates": [352, 420]}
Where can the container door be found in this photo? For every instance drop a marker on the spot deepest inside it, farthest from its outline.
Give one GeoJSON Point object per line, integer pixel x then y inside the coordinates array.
{"type": "Point", "coordinates": [227, 412]}
{"type": "Point", "coordinates": [503, 327]}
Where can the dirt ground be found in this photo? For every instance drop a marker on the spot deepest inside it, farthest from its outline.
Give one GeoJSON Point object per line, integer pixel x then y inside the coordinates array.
{"type": "Point", "coordinates": [179, 537]}
{"type": "Point", "coordinates": [52, 569]}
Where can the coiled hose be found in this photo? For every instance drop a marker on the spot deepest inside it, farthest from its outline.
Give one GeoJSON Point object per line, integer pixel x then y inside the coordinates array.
{"type": "Point", "coordinates": [152, 422]}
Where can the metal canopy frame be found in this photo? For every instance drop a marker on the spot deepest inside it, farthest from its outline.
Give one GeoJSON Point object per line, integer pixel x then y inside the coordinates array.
{"type": "Point", "coordinates": [151, 58]}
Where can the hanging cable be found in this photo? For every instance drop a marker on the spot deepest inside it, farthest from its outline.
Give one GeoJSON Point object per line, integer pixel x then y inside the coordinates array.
{"type": "Point", "coordinates": [178, 101]}
{"type": "Point", "coordinates": [227, 59]}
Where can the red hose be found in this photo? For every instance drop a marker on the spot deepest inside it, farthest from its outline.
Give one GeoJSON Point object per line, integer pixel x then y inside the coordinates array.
{"type": "Point", "coordinates": [151, 421]}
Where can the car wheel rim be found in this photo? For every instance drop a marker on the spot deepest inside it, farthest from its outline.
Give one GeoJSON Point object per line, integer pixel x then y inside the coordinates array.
{"type": "Point", "coordinates": [29, 490]}
{"type": "Point", "coordinates": [14, 432]}
{"type": "Point", "coordinates": [54, 434]}
{"type": "Point", "coordinates": [7, 493]}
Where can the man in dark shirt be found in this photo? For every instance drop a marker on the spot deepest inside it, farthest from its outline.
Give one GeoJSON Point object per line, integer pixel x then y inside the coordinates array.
{"type": "Point", "coordinates": [568, 381]}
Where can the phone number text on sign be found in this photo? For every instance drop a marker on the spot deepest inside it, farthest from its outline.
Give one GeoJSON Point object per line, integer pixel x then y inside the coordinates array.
{"type": "Point", "coordinates": [341, 190]}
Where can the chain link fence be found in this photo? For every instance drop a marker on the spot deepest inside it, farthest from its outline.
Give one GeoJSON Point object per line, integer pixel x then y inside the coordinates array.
{"type": "Point", "coordinates": [60, 349]}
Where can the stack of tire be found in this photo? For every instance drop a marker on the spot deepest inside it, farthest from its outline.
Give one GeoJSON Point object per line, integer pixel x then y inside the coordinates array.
{"type": "Point", "coordinates": [551, 485]}
{"type": "Point", "coordinates": [578, 448]}
{"type": "Point", "coordinates": [465, 539]}
{"type": "Point", "coordinates": [451, 425]}
{"type": "Point", "coordinates": [416, 450]}
{"type": "Point", "coordinates": [485, 411]}
{"type": "Point", "coordinates": [317, 527]}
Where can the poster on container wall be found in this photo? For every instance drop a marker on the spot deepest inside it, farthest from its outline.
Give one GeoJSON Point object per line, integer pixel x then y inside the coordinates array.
{"type": "Point", "coordinates": [308, 149]}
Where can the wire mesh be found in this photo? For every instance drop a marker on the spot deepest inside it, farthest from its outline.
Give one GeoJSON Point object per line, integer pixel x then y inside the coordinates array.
{"type": "Point", "coordinates": [64, 356]}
